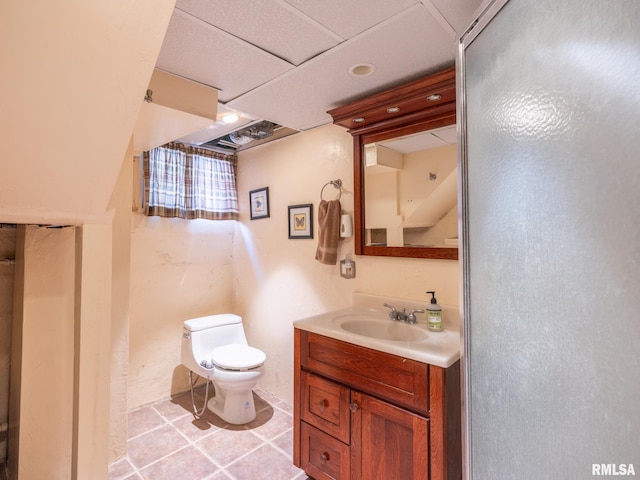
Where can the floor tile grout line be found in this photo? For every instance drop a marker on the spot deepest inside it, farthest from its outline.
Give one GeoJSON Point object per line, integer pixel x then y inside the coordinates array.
{"type": "Point", "coordinates": [193, 443]}
{"type": "Point", "coordinates": [278, 436]}
{"type": "Point", "coordinates": [190, 441]}
{"type": "Point", "coordinates": [128, 474]}
{"type": "Point", "coordinates": [135, 469]}
{"type": "Point", "coordinates": [146, 432]}
{"type": "Point", "coordinates": [151, 429]}
{"type": "Point", "coordinates": [167, 422]}
{"type": "Point", "coordinates": [226, 474]}
{"type": "Point", "coordinates": [225, 467]}
{"type": "Point", "coordinates": [216, 463]}
{"type": "Point", "coordinates": [218, 466]}
{"type": "Point", "coordinates": [138, 471]}
{"type": "Point", "coordinates": [266, 441]}
{"type": "Point", "coordinates": [284, 411]}
{"type": "Point", "coordinates": [244, 455]}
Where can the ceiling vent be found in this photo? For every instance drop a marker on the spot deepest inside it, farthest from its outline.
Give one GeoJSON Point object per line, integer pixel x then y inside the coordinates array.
{"type": "Point", "coordinates": [248, 136]}
{"type": "Point", "coordinates": [257, 131]}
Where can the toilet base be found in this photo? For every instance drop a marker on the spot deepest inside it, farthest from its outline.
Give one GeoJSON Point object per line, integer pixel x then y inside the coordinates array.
{"type": "Point", "coordinates": [233, 406]}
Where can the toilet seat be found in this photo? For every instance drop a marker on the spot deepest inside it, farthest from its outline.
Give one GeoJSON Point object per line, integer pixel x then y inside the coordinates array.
{"type": "Point", "coordinates": [237, 357]}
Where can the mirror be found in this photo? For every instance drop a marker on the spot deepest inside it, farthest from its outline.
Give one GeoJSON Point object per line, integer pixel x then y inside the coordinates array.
{"type": "Point", "coordinates": [411, 190]}
{"type": "Point", "coordinates": [384, 124]}
{"type": "Point", "coordinates": [408, 193]}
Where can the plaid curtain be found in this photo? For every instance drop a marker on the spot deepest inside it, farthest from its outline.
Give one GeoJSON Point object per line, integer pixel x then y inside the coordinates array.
{"type": "Point", "coordinates": [190, 182]}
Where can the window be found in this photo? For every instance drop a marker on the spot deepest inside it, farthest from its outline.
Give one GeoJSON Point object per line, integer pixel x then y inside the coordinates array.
{"type": "Point", "coordinates": [190, 182]}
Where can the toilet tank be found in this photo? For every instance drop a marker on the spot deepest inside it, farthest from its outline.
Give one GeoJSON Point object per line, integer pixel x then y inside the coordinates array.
{"type": "Point", "coordinates": [201, 335]}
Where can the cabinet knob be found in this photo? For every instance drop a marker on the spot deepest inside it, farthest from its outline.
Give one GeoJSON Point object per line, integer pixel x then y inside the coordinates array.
{"type": "Point", "coordinates": [353, 407]}
{"type": "Point", "coordinates": [323, 403]}
{"type": "Point", "coordinates": [324, 457]}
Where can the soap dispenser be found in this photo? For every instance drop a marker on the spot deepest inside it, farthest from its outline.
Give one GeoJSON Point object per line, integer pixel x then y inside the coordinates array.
{"type": "Point", "coordinates": [434, 314]}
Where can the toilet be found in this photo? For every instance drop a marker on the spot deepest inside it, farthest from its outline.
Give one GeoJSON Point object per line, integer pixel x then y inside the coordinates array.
{"type": "Point", "coordinates": [215, 347]}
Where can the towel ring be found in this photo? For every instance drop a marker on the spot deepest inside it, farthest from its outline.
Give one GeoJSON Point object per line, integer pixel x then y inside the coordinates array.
{"type": "Point", "coordinates": [337, 184]}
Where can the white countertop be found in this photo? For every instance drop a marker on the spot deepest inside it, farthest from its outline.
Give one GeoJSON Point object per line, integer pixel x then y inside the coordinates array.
{"type": "Point", "coordinates": [441, 349]}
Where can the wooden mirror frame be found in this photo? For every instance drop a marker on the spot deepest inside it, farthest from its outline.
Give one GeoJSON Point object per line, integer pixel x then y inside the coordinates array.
{"type": "Point", "coordinates": [369, 120]}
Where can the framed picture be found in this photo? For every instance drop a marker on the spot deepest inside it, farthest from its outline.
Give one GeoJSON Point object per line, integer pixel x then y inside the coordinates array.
{"type": "Point", "coordinates": [301, 221]}
{"type": "Point", "coordinates": [259, 200]}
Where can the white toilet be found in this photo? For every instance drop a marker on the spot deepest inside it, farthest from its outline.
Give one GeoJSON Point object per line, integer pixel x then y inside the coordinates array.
{"type": "Point", "coordinates": [215, 347]}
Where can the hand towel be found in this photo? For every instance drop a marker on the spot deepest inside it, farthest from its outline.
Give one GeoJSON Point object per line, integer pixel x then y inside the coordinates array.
{"type": "Point", "coordinates": [328, 231]}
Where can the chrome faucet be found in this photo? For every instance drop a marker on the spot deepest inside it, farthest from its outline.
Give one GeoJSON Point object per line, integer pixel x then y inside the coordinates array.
{"type": "Point", "coordinates": [411, 318]}
{"type": "Point", "coordinates": [396, 314]}
{"type": "Point", "coordinates": [400, 315]}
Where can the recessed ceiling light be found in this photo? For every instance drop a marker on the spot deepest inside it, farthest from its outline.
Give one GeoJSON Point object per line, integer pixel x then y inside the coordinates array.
{"type": "Point", "coordinates": [230, 118]}
{"type": "Point", "coordinates": [393, 109]}
{"type": "Point", "coordinates": [358, 120]}
{"type": "Point", "coordinates": [434, 97]}
{"type": "Point", "coordinates": [362, 69]}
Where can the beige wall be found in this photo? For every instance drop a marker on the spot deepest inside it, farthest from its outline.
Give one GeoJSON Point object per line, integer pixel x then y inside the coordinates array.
{"type": "Point", "coordinates": [73, 82]}
{"type": "Point", "coordinates": [59, 393]}
{"type": "Point", "coordinates": [91, 351]}
{"type": "Point", "coordinates": [121, 201]}
{"type": "Point", "coordinates": [179, 270]}
{"type": "Point", "coordinates": [278, 280]}
{"type": "Point", "coordinates": [42, 363]}
{"type": "Point", "coordinates": [182, 269]}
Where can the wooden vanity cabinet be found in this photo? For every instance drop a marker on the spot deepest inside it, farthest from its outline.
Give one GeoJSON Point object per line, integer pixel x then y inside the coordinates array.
{"type": "Point", "coordinates": [364, 414]}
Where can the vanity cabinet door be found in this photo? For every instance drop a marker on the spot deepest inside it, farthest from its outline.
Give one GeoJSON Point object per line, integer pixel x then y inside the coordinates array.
{"type": "Point", "coordinates": [387, 441]}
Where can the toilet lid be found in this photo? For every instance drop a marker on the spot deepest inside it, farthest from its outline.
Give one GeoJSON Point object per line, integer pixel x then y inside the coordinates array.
{"type": "Point", "coordinates": [237, 357]}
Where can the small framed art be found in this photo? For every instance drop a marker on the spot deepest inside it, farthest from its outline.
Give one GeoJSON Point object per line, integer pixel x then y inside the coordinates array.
{"type": "Point", "coordinates": [301, 221]}
{"type": "Point", "coordinates": [259, 200]}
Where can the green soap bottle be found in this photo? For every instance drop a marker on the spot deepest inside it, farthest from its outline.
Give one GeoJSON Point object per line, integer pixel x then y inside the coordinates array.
{"type": "Point", "coordinates": [434, 314]}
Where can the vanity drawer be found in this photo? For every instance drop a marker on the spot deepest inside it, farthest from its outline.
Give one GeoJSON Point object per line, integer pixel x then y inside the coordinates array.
{"type": "Point", "coordinates": [322, 456]}
{"type": "Point", "coordinates": [325, 405]}
{"type": "Point", "coordinates": [399, 380]}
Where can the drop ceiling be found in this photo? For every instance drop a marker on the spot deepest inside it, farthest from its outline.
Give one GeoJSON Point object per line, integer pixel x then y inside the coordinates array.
{"type": "Point", "coordinates": [287, 61]}
{"type": "Point", "coordinates": [417, 142]}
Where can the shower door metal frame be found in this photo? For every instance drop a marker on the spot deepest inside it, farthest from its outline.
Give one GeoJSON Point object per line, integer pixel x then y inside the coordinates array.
{"type": "Point", "coordinates": [488, 11]}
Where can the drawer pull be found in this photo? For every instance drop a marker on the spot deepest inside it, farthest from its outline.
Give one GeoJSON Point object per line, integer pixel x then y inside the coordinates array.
{"type": "Point", "coordinates": [324, 457]}
{"type": "Point", "coordinates": [353, 407]}
{"type": "Point", "coordinates": [323, 403]}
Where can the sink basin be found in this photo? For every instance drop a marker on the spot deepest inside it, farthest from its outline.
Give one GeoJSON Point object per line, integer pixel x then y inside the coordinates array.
{"type": "Point", "coordinates": [381, 328]}
{"type": "Point", "coordinates": [368, 325]}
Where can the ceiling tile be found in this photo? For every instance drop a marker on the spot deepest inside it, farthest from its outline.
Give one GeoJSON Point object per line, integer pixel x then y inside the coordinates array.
{"type": "Point", "coordinates": [414, 143]}
{"type": "Point", "coordinates": [195, 50]}
{"type": "Point", "coordinates": [447, 134]}
{"type": "Point", "coordinates": [411, 45]}
{"type": "Point", "coordinates": [269, 25]}
{"type": "Point", "coordinates": [458, 14]}
{"type": "Point", "coordinates": [352, 17]}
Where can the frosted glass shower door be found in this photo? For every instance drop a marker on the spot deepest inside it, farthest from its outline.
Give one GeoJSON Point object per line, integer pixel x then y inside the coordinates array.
{"type": "Point", "coordinates": [550, 138]}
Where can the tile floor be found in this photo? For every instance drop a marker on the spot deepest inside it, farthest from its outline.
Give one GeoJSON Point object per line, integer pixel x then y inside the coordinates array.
{"type": "Point", "coordinates": [166, 442]}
